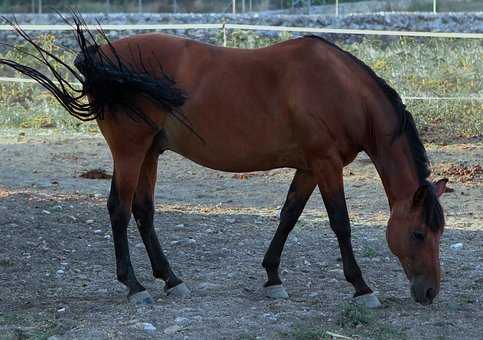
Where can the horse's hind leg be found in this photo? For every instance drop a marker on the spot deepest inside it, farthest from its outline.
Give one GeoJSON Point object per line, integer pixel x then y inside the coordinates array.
{"type": "Point", "coordinates": [299, 193]}
{"type": "Point", "coordinates": [143, 211]}
{"type": "Point", "coordinates": [330, 181]}
{"type": "Point", "coordinates": [127, 165]}
{"type": "Point", "coordinates": [119, 206]}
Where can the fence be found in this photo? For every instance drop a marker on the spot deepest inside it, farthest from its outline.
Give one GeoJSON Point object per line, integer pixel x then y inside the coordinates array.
{"type": "Point", "coordinates": [330, 7]}
{"type": "Point", "coordinates": [225, 27]}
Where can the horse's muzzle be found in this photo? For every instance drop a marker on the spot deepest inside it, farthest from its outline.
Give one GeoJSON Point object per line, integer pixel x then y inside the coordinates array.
{"type": "Point", "coordinates": [423, 291]}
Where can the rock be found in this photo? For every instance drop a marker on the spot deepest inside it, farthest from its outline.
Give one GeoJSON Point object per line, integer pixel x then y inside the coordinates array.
{"type": "Point", "coordinates": [184, 242]}
{"type": "Point", "coordinates": [90, 221]}
{"type": "Point", "coordinates": [60, 272]}
{"type": "Point", "coordinates": [149, 328]}
{"type": "Point", "coordinates": [457, 246]}
{"type": "Point", "coordinates": [182, 321]}
{"type": "Point", "coordinates": [207, 285]}
{"type": "Point", "coordinates": [172, 330]}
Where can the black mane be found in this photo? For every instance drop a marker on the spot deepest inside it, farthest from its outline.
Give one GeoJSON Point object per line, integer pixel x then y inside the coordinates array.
{"type": "Point", "coordinates": [433, 215]}
{"type": "Point", "coordinates": [432, 211]}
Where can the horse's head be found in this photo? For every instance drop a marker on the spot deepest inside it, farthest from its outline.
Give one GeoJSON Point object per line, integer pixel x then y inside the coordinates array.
{"type": "Point", "coordinates": [413, 234]}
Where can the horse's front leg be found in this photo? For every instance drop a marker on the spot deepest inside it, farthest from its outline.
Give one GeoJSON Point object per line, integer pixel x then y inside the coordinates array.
{"type": "Point", "coordinates": [143, 211]}
{"type": "Point", "coordinates": [303, 184]}
{"type": "Point", "coordinates": [330, 179]}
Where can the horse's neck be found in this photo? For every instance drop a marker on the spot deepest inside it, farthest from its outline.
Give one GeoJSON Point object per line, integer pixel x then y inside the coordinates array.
{"type": "Point", "coordinates": [396, 167]}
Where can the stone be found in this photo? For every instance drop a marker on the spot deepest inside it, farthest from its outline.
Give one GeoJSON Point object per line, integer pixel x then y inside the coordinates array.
{"type": "Point", "coordinates": [149, 328]}
{"type": "Point", "coordinates": [182, 321]}
{"type": "Point", "coordinates": [456, 246]}
{"type": "Point", "coordinates": [172, 330]}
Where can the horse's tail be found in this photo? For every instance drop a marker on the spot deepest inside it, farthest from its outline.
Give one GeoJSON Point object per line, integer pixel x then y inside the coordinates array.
{"type": "Point", "coordinates": [106, 82]}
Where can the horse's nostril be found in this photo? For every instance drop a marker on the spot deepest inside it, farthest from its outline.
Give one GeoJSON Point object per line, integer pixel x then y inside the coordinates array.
{"type": "Point", "coordinates": [430, 294]}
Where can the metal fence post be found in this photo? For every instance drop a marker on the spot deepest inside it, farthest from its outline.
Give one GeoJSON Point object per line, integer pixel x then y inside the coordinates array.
{"type": "Point", "coordinates": [233, 6]}
{"type": "Point", "coordinates": [40, 6]}
{"type": "Point", "coordinates": [336, 8]}
{"type": "Point", "coordinates": [434, 6]}
{"type": "Point", "coordinates": [224, 33]}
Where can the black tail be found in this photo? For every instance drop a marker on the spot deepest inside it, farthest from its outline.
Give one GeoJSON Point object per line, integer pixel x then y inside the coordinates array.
{"type": "Point", "coordinates": [108, 81]}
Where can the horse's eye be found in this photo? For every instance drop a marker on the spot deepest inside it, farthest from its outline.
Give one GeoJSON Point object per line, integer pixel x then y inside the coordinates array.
{"type": "Point", "coordinates": [418, 235]}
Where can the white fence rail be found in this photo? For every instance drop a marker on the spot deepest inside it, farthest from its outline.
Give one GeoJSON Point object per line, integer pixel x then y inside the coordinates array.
{"type": "Point", "coordinates": [226, 26]}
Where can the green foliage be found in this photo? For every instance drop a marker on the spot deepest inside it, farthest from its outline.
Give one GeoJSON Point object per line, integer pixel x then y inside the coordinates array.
{"type": "Point", "coordinates": [354, 315]}
{"type": "Point", "coordinates": [356, 318]}
{"type": "Point", "coordinates": [302, 332]}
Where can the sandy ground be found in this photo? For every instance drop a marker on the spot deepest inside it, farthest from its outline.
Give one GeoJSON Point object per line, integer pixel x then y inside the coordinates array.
{"type": "Point", "coordinates": [57, 271]}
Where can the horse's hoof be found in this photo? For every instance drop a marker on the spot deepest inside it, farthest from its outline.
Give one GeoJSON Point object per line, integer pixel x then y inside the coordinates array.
{"type": "Point", "coordinates": [275, 292]}
{"type": "Point", "coordinates": [368, 300]}
{"type": "Point", "coordinates": [179, 291]}
{"type": "Point", "coordinates": [141, 298]}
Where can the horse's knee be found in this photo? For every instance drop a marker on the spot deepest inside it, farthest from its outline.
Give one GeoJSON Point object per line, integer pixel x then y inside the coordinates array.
{"type": "Point", "coordinates": [111, 205]}
{"type": "Point", "coordinates": [143, 210]}
{"type": "Point", "coordinates": [118, 213]}
{"type": "Point", "coordinates": [271, 262]}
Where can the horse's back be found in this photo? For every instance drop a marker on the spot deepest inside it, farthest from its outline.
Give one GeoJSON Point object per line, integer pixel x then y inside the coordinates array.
{"type": "Point", "coordinates": [257, 109]}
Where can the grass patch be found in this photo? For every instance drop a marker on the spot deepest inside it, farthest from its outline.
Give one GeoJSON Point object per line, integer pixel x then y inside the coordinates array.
{"type": "Point", "coordinates": [6, 263]}
{"type": "Point", "coordinates": [306, 332]}
{"type": "Point", "coordinates": [369, 252]}
{"type": "Point", "coordinates": [356, 319]}
{"type": "Point", "coordinates": [354, 315]}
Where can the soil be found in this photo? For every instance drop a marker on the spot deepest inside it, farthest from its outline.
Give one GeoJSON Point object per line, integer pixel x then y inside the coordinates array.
{"type": "Point", "coordinates": [57, 266]}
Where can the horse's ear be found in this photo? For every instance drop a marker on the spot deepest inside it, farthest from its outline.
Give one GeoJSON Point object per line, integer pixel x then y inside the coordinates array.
{"type": "Point", "coordinates": [440, 186]}
{"type": "Point", "coordinates": [420, 195]}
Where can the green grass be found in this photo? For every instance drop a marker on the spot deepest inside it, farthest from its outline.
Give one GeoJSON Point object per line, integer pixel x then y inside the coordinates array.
{"type": "Point", "coordinates": [369, 252]}
{"type": "Point", "coordinates": [308, 333]}
{"type": "Point", "coordinates": [356, 319]}
{"type": "Point", "coordinates": [352, 321]}
{"type": "Point", "coordinates": [413, 66]}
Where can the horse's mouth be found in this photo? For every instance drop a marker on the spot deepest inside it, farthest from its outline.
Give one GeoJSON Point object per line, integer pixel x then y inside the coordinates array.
{"type": "Point", "coordinates": [421, 293]}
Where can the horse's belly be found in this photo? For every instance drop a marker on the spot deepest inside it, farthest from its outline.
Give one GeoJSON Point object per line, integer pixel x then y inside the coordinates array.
{"type": "Point", "coordinates": [234, 155]}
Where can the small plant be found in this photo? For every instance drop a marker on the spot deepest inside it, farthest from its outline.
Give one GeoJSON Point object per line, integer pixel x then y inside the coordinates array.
{"type": "Point", "coordinates": [369, 252]}
{"type": "Point", "coordinates": [304, 332]}
{"type": "Point", "coordinates": [354, 315]}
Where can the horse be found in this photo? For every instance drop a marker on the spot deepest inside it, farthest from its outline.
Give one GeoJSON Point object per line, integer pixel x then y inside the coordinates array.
{"type": "Point", "coordinates": [304, 104]}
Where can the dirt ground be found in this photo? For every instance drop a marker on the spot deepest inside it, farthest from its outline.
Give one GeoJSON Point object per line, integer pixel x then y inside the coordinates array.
{"type": "Point", "coordinates": [57, 271]}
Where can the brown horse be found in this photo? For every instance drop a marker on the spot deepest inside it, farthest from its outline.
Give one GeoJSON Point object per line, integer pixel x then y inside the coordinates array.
{"type": "Point", "coordinates": [303, 104]}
